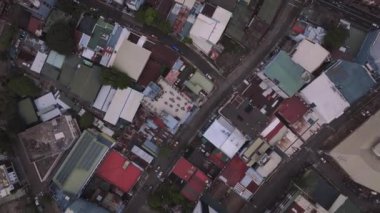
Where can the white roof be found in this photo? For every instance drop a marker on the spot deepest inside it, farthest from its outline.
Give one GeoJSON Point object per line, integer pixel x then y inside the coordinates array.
{"type": "Point", "coordinates": [206, 31]}
{"type": "Point", "coordinates": [131, 59]}
{"type": "Point", "coordinates": [124, 105]}
{"type": "Point", "coordinates": [329, 103]}
{"type": "Point", "coordinates": [117, 104]}
{"type": "Point", "coordinates": [131, 105]}
{"type": "Point", "coordinates": [188, 3]}
{"type": "Point", "coordinates": [310, 55]}
{"type": "Point", "coordinates": [50, 115]}
{"type": "Point", "coordinates": [104, 98]}
{"type": "Point", "coordinates": [357, 154]}
{"type": "Point", "coordinates": [87, 53]}
{"type": "Point", "coordinates": [38, 62]}
{"type": "Point", "coordinates": [141, 41]}
{"type": "Point", "coordinates": [84, 40]}
{"type": "Point", "coordinates": [233, 143]}
{"type": "Point", "coordinates": [45, 101]}
{"type": "Point", "coordinates": [269, 166]}
{"type": "Point", "coordinates": [119, 1]}
{"type": "Point", "coordinates": [142, 154]}
{"type": "Point", "coordinates": [218, 132]}
{"type": "Point", "coordinates": [124, 35]}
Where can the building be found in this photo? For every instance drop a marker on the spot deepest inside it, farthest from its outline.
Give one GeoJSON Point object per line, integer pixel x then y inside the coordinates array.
{"type": "Point", "coordinates": [46, 142]}
{"type": "Point", "coordinates": [292, 109]}
{"type": "Point", "coordinates": [81, 162]}
{"type": "Point", "coordinates": [38, 8]}
{"type": "Point", "coordinates": [134, 4]}
{"type": "Point", "coordinates": [351, 79]}
{"type": "Point", "coordinates": [206, 31]}
{"type": "Point", "coordinates": [120, 103]}
{"type": "Point", "coordinates": [225, 137]}
{"type": "Point", "coordinates": [284, 76]}
{"type": "Point", "coordinates": [369, 54]}
{"type": "Point", "coordinates": [131, 59]}
{"type": "Point", "coordinates": [80, 205]}
{"type": "Point", "coordinates": [8, 178]}
{"type": "Point", "coordinates": [361, 160]}
{"type": "Point", "coordinates": [50, 106]}
{"type": "Point", "coordinates": [195, 180]}
{"type": "Point", "coordinates": [328, 106]}
{"type": "Point", "coordinates": [119, 171]}
{"type": "Point", "coordinates": [309, 55]}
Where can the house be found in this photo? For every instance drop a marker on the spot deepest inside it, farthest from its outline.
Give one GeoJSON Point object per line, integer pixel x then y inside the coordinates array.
{"type": "Point", "coordinates": [8, 179]}
{"type": "Point", "coordinates": [38, 8]}
{"type": "Point", "coordinates": [49, 106]}
{"type": "Point", "coordinates": [118, 103]}
{"type": "Point", "coordinates": [134, 4]}
{"type": "Point", "coordinates": [369, 53]}
{"type": "Point", "coordinates": [81, 205]}
{"type": "Point", "coordinates": [309, 55]}
{"type": "Point", "coordinates": [325, 99]}
{"type": "Point", "coordinates": [45, 143]}
{"type": "Point", "coordinates": [225, 137]}
{"type": "Point", "coordinates": [119, 171]}
{"type": "Point", "coordinates": [81, 163]}
{"type": "Point", "coordinates": [284, 76]}
{"type": "Point", "coordinates": [195, 180]}
{"type": "Point", "coordinates": [361, 160]}
{"type": "Point", "coordinates": [206, 31]}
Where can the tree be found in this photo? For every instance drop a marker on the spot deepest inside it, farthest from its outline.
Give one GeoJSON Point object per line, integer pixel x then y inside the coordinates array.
{"type": "Point", "coordinates": [23, 86]}
{"type": "Point", "coordinates": [187, 40]}
{"type": "Point", "coordinates": [115, 78]}
{"type": "Point", "coordinates": [335, 37]}
{"type": "Point", "coordinates": [5, 141]}
{"type": "Point", "coordinates": [60, 38]}
{"type": "Point", "coordinates": [86, 120]}
{"type": "Point", "coordinates": [150, 16]}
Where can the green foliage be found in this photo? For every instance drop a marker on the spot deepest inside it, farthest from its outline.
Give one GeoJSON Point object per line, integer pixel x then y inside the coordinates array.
{"type": "Point", "coordinates": [150, 17]}
{"type": "Point", "coordinates": [72, 8]}
{"type": "Point", "coordinates": [335, 38]}
{"type": "Point", "coordinates": [60, 38]}
{"type": "Point", "coordinates": [167, 196]}
{"type": "Point", "coordinates": [86, 120]}
{"type": "Point", "coordinates": [115, 78]}
{"type": "Point", "coordinates": [6, 37]}
{"type": "Point", "coordinates": [23, 86]}
{"type": "Point", "coordinates": [187, 40]}
{"type": "Point", "coordinates": [164, 151]}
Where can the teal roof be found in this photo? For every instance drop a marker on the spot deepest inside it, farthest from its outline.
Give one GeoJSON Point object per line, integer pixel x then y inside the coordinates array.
{"type": "Point", "coordinates": [285, 73]}
{"type": "Point", "coordinates": [80, 206]}
{"type": "Point", "coordinates": [348, 207]}
{"type": "Point", "coordinates": [351, 79]}
{"type": "Point", "coordinates": [27, 111]}
{"type": "Point", "coordinates": [82, 161]}
{"type": "Point", "coordinates": [100, 34]}
{"type": "Point", "coordinates": [370, 51]}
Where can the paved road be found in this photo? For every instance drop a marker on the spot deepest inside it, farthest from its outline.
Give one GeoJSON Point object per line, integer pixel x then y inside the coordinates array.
{"type": "Point", "coordinates": [188, 132]}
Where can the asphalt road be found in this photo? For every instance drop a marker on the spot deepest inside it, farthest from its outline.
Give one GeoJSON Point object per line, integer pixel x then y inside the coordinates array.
{"type": "Point", "coordinates": [188, 132]}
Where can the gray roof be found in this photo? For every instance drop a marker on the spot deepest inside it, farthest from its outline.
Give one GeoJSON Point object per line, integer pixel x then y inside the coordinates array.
{"type": "Point", "coordinates": [82, 161]}
{"type": "Point", "coordinates": [80, 206]}
{"type": "Point", "coordinates": [370, 50]}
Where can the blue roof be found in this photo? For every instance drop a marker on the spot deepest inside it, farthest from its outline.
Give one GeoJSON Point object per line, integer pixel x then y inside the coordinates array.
{"type": "Point", "coordinates": [370, 50]}
{"type": "Point", "coordinates": [114, 37]}
{"type": "Point", "coordinates": [44, 9]}
{"type": "Point", "coordinates": [351, 79]}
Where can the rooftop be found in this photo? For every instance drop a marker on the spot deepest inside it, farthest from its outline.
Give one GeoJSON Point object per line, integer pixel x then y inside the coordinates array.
{"type": "Point", "coordinates": [100, 34]}
{"type": "Point", "coordinates": [131, 59]}
{"type": "Point", "coordinates": [81, 162]}
{"type": "Point", "coordinates": [184, 169]}
{"type": "Point", "coordinates": [195, 187]}
{"type": "Point", "coordinates": [246, 117]}
{"type": "Point", "coordinates": [351, 79]}
{"type": "Point", "coordinates": [50, 137]}
{"type": "Point", "coordinates": [331, 104]}
{"type": "Point", "coordinates": [309, 55]}
{"type": "Point", "coordinates": [286, 74]}
{"type": "Point", "coordinates": [119, 171]}
{"type": "Point", "coordinates": [81, 205]}
{"type": "Point", "coordinates": [26, 111]}
{"type": "Point", "coordinates": [361, 160]}
{"type": "Point", "coordinates": [370, 50]}
{"type": "Point", "coordinates": [292, 109]}
{"type": "Point", "coordinates": [268, 10]}
{"type": "Point", "coordinates": [234, 171]}
{"type": "Point", "coordinates": [199, 82]}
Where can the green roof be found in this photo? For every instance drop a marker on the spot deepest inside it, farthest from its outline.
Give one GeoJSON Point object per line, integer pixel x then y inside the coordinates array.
{"type": "Point", "coordinates": [100, 34]}
{"type": "Point", "coordinates": [348, 207]}
{"type": "Point", "coordinates": [82, 161]}
{"type": "Point", "coordinates": [26, 111]}
{"type": "Point", "coordinates": [285, 73]}
{"type": "Point", "coordinates": [199, 82]}
{"type": "Point", "coordinates": [80, 206]}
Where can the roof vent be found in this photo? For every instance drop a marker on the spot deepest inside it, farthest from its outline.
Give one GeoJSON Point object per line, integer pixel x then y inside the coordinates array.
{"type": "Point", "coordinates": [126, 164]}
{"type": "Point", "coordinates": [306, 77]}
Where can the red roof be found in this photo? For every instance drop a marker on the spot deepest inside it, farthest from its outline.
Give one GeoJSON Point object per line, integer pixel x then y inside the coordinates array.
{"type": "Point", "coordinates": [234, 171]}
{"type": "Point", "coordinates": [216, 159]}
{"type": "Point", "coordinates": [252, 187]}
{"type": "Point", "coordinates": [194, 188]}
{"type": "Point", "coordinates": [274, 131]}
{"type": "Point", "coordinates": [292, 109]}
{"type": "Point", "coordinates": [111, 170]}
{"type": "Point", "coordinates": [151, 72]}
{"type": "Point", "coordinates": [34, 24]}
{"type": "Point", "coordinates": [184, 169]}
